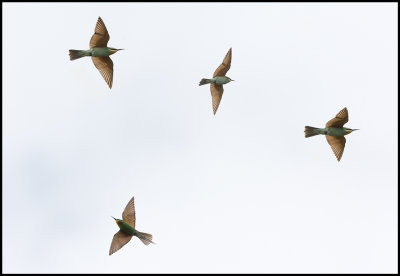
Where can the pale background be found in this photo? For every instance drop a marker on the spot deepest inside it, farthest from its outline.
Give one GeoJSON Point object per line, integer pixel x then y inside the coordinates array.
{"type": "Point", "coordinates": [242, 191]}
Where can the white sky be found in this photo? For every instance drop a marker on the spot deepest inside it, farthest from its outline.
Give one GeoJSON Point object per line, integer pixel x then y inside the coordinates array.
{"type": "Point", "coordinates": [242, 191]}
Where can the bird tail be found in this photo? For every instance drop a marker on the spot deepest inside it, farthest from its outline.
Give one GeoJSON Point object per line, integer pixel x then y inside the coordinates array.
{"type": "Point", "coordinates": [205, 81]}
{"type": "Point", "coordinates": [145, 238]}
{"type": "Point", "coordinates": [310, 131]}
{"type": "Point", "coordinates": [75, 54]}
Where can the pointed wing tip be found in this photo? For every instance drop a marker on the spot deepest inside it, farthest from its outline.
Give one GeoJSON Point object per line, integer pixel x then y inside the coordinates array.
{"type": "Point", "coordinates": [109, 84]}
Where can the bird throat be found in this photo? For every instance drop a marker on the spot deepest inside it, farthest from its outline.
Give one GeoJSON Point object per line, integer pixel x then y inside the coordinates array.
{"type": "Point", "coordinates": [113, 51]}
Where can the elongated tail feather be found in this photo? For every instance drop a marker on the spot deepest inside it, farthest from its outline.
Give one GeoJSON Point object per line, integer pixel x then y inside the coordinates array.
{"type": "Point", "coordinates": [75, 54]}
{"type": "Point", "coordinates": [310, 131]}
{"type": "Point", "coordinates": [145, 238]}
{"type": "Point", "coordinates": [205, 81]}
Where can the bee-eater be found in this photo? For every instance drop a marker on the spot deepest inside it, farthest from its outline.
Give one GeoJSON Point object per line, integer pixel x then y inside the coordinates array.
{"type": "Point", "coordinates": [99, 52]}
{"type": "Point", "coordinates": [218, 80]}
{"type": "Point", "coordinates": [127, 229]}
{"type": "Point", "coordinates": [334, 132]}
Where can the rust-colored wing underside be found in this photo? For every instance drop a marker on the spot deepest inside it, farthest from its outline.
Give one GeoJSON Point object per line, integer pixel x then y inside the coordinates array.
{"type": "Point", "coordinates": [129, 213]}
{"type": "Point", "coordinates": [105, 67]}
{"type": "Point", "coordinates": [119, 240]}
{"type": "Point", "coordinates": [100, 37]}
{"type": "Point", "coordinates": [337, 144]}
{"type": "Point", "coordinates": [216, 93]}
{"type": "Point", "coordinates": [225, 65]}
{"type": "Point", "coordinates": [341, 118]}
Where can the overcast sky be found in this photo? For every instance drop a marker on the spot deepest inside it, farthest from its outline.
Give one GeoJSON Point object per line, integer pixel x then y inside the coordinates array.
{"type": "Point", "coordinates": [242, 191]}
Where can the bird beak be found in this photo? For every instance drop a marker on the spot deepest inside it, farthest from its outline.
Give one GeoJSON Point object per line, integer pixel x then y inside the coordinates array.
{"type": "Point", "coordinates": [120, 49]}
{"type": "Point", "coordinates": [113, 218]}
{"type": "Point", "coordinates": [232, 80]}
{"type": "Point", "coordinates": [354, 129]}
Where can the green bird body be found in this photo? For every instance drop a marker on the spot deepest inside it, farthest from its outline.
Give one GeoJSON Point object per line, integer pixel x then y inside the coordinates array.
{"type": "Point", "coordinates": [99, 52]}
{"type": "Point", "coordinates": [218, 80]}
{"type": "Point", "coordinates": [334, 132]}
{"type": "Point", "coordinates": [127, 229]}
{"type": "Point", "coordinates": [94, 52]}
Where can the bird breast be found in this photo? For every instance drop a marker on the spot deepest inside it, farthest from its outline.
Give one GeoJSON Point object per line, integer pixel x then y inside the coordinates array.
{"type": "Point", "coordinates": [221, 80]}
{"type": "Point", "coordinates": [100, 52]}
{"type": "Point", "coordinates": [333, 131]}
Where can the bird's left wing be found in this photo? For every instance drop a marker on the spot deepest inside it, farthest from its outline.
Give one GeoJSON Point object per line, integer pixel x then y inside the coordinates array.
{"type": "Point", "coordinates": [337, 144]}
{"type": "Point", "coordinates": [216, 93]}
{"type": "Point", "coordinates": [129, 213]}
{"type": "Point", "coordinates": [225, 65]}
{"type": "Point", "coordinates": [100, 37]}
{"type": "Point", "coordinates": [341, 118]}
{"type": "Point", "coordinates": [119, 240]}
{"type": "Point", "coordinates": [105, 67]}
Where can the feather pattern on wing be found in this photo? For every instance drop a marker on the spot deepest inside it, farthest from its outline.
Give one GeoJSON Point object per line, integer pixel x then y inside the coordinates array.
{"type": "Point", "coordinates": [225, 65]}
{"type": "Point", "coordinates": [100, 37]}
{"type": "Point", "coordinates": [337, 144]}
{"type": "Point", "coordinates": [105, 67]}
{"type": "Point", "coordinates": [118, 241]}
{"type": "Point", "coordinates": [216, 93]}
{"type": "Point", "coordinates": [129, 213]}
{"type": "Point", "coordinates": [341, 118]}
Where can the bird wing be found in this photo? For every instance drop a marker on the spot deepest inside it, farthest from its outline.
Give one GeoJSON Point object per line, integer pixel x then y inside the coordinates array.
{"type": "Point", "coordinates": [225, 65]}
{"type": "Point", "coordinates": [105, 67]}
{"type": "Point", "coordinates": [119, 240]}
{"type": "Point", "coordinates": [216, 93]}
{"type": "Point", "coordinates": [341, 118]}
{"type": "Point", "coordinates": [337, 144]}
{"type": "Point", "coordinates": [100, 37]}
{"type": "Point", "coordinates": [129, 213]}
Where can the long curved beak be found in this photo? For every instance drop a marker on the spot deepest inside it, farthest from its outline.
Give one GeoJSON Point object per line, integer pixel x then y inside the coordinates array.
{"type": "Point", "coordinates": [120, 49]}
{"type": "Point", "coordinates": [113, 218]}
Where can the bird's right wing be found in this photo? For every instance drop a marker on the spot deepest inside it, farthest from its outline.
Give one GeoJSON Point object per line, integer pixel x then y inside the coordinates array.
{"type": "Point", "coordinates": [129, 213]}
{"type": "Point", "coordinates": [105, 67]}
{"type": "Point", "coordinates": [337, 144]}
{"type": "Point", "coordinates": [119, 240]}
{"type": "Point", "coordinates": [216, 93]}
{"type": "Point", "coordinates": [225, 65]}
{"type": "Point", "coordinates": [341, 118]}
{"type": "Point", "coordinates": [100, 37]}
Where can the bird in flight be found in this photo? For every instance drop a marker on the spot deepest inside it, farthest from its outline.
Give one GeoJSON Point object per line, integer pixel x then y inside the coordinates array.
{"type": "Point", "coordinates": [127, 229]}
{"type": "Point", "coordinates": [334, 132]}
{"type": "Point", "coordinates": [218, 80]}
{"type": "Point", "coordinates": [99, 52]}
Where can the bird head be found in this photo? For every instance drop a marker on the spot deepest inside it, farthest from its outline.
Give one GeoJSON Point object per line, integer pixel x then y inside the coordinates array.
{"type": "Point", "coordinates": [116, 220]}
{"type": "Point", "coordinates": [349, 130]}
{"type": "Point", "coordinates": [113, 50]}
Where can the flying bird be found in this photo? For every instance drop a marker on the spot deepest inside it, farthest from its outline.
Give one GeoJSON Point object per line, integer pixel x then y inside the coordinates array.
{"type": "Point", "coordinates": [127, 229]}
{"type": "Point", "coordinates": [218, 80]}
{"type": "Point", "coordinates": [99, 52]}
{"type": "Point", "coordinates": [334, 132]}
